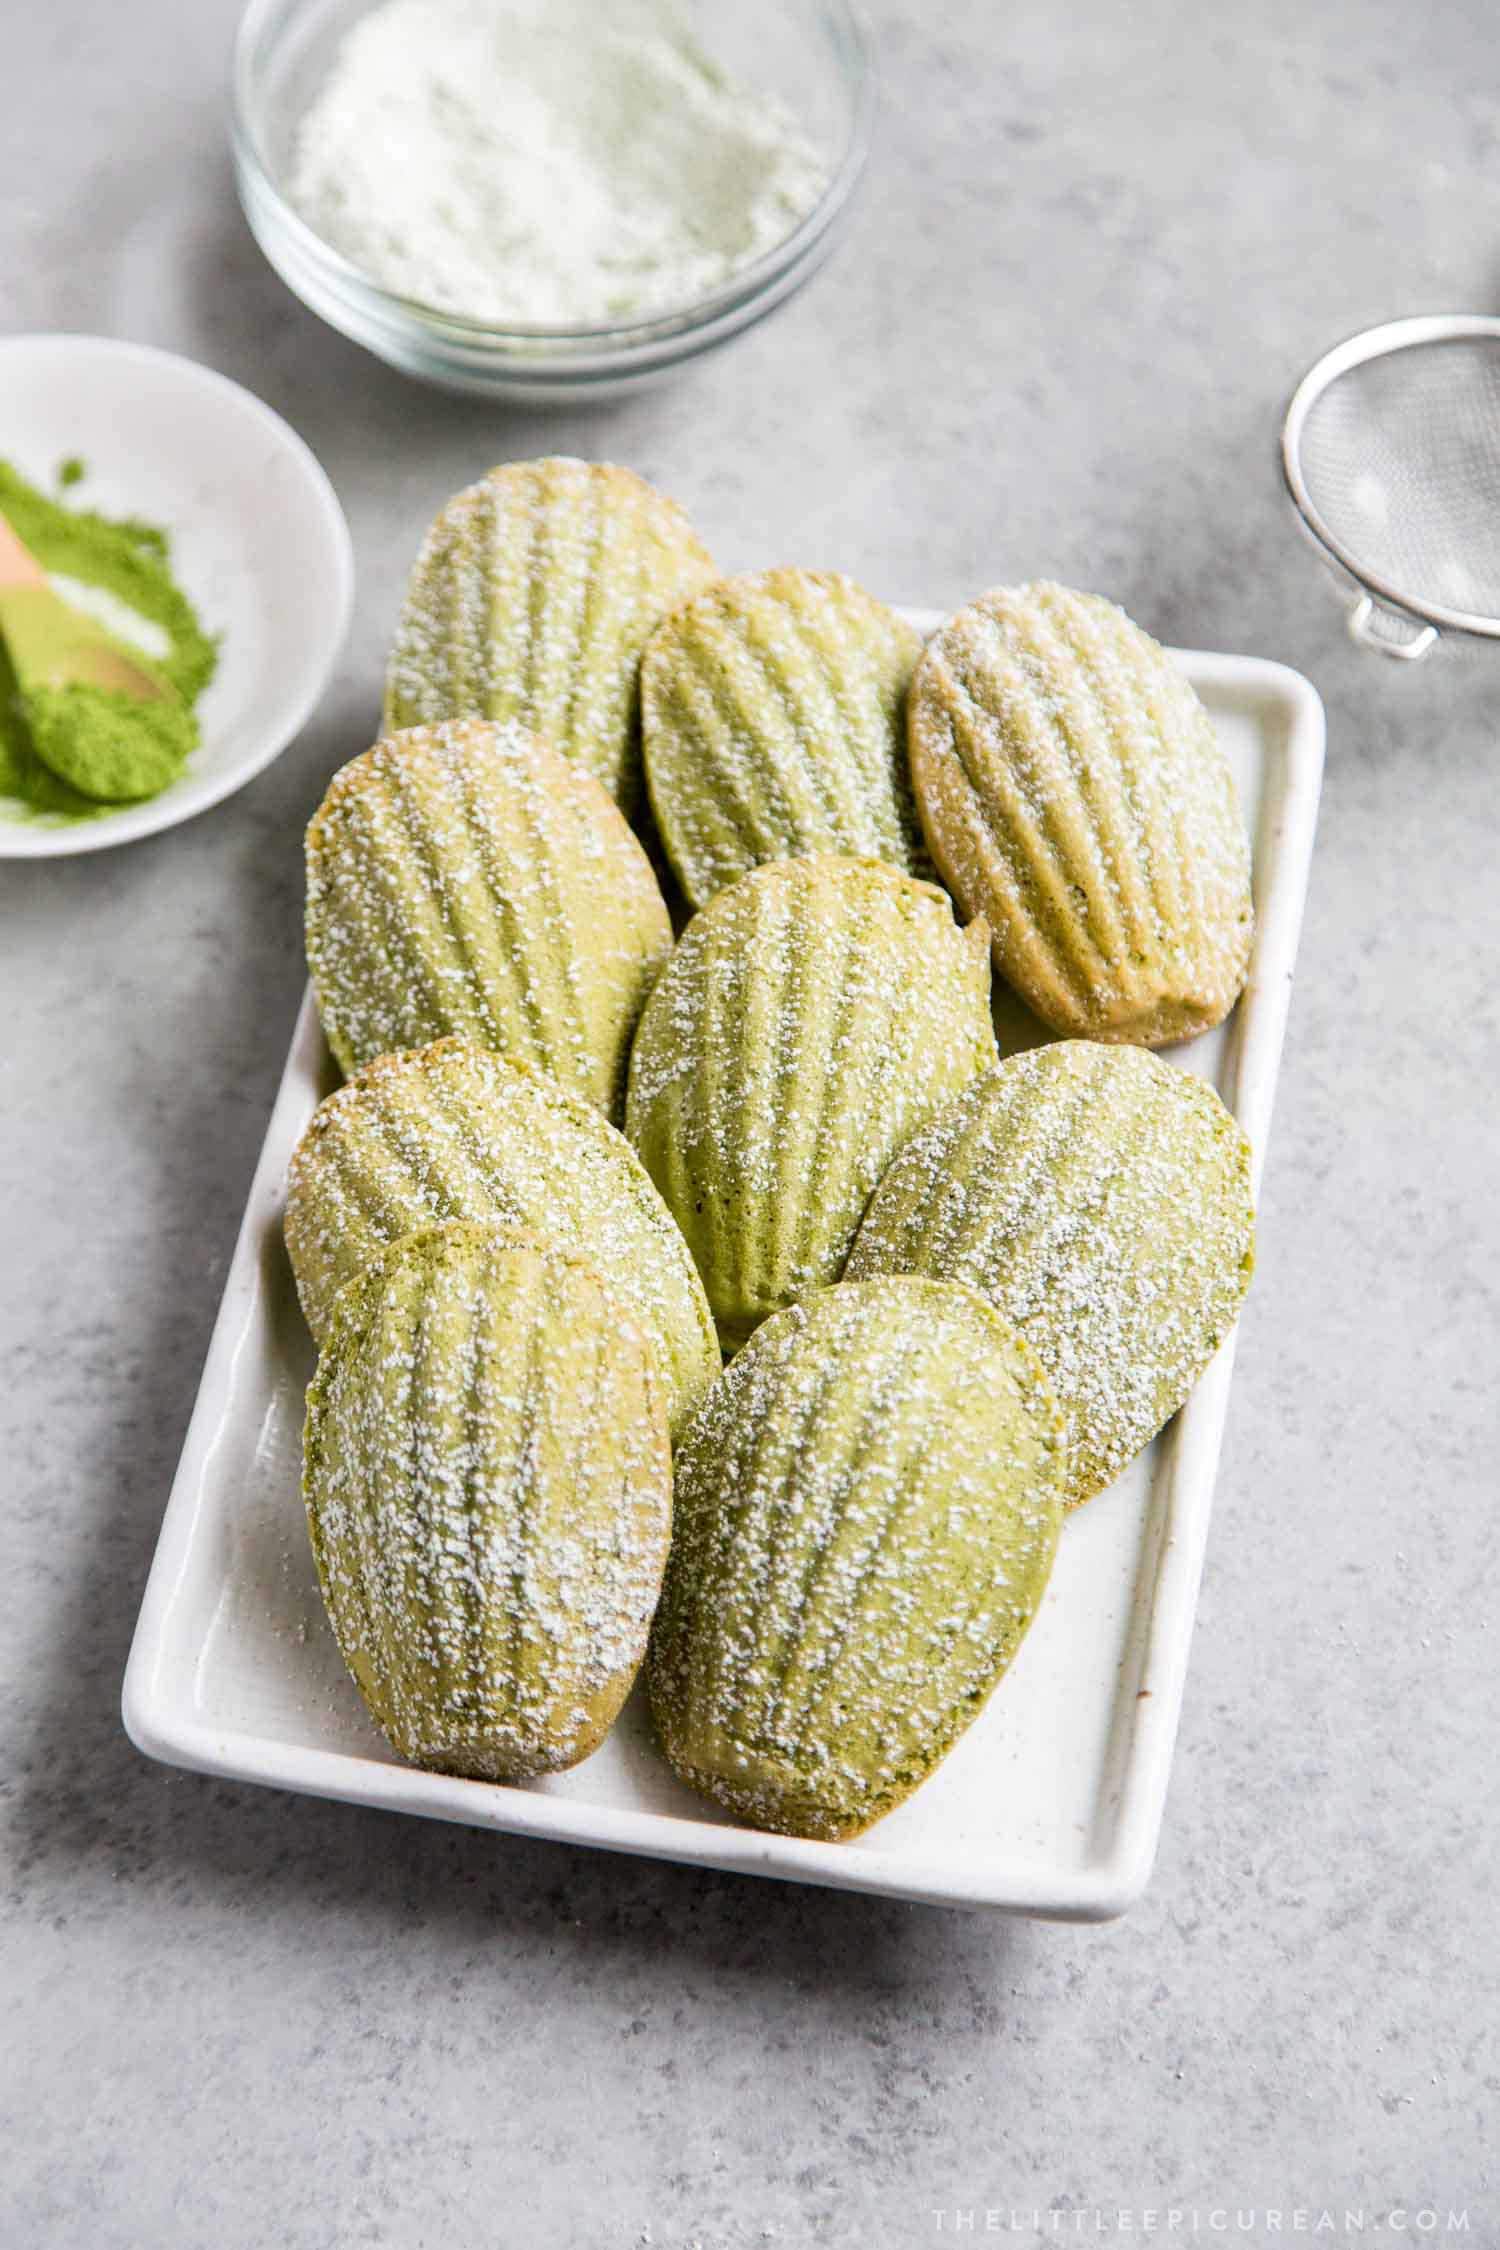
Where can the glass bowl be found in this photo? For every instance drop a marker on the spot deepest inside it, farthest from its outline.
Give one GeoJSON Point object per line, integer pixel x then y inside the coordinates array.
{"type": "Point", "coordinates": [815, 54]}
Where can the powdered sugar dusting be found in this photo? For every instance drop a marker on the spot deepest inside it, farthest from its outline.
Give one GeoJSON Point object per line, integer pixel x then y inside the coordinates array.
{"type": "Point", "coordinates": [867, 1509]}
{"type": "Point", "coordinates": [533, 595]}
{"type": "Point", "coordinates": [1101, 1200]}
{"type": "Point", "coordinates": [811, 1018]}
{"type": "Point", "coordinates": [1073, 792]}
{"type": "Point", "coordinates": [464, 879]}
{"type": "Point", "coordinates": [773, 713]}
{"type": "Point", "coordinates": [454, 1132]}
{"type": "Point", "coordinates": [489, 1496]}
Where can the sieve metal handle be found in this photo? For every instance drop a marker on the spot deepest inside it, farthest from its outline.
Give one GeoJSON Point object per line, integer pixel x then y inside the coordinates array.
{"type": "Point", "coordinates": [1388, 636]}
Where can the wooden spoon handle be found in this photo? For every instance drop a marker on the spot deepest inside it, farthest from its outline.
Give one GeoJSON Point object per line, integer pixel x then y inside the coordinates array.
{"type": "Point", "coordinates": [18, 565]}
{"type": "Point", "coordinates": [52, 644]}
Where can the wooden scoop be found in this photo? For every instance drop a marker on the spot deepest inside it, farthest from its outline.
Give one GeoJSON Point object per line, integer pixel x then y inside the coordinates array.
{"type": "Point", "coordinates": [54, 645]}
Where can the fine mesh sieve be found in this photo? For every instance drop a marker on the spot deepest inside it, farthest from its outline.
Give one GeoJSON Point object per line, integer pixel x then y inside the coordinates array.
{"type": "Point", "coordinates": [1391, 447]}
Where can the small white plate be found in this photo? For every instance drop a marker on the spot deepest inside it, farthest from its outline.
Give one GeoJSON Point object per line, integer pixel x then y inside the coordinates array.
{"type": "Point", "coordinates": [1050, 1804]}
{"type": "Point", "coordinates": [259, 545]}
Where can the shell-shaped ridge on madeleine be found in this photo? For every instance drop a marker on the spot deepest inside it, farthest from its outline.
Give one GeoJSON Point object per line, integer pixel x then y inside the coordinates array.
{"type": "Point", "coordinates": [867, 1508]}
{"type": "Point", "coordinates": [1073, 792]}
{"type": "Point", "coordinates": [464, 879]}
{"type": "Point", "coordinates": [1101, 1199]}
{"type": "Point", "coordinates": [774, 727]}
{"type": "Point", "coordinates": [488, 1488]}
{"type": "Point", "coordinates": [811, 1018]}
{"type": "Point", "coordinates": [532, 597]}
{"type": "Point", "coordinates": [456, 1132]}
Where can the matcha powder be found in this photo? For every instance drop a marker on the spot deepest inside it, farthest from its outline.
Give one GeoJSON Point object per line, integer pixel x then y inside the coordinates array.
{"type": "Point", "coordinates": [69, 753]}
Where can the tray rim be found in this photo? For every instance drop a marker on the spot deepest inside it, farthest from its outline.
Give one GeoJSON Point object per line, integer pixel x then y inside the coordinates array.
{"type": "Point", "coordinates": [1101, 1890]}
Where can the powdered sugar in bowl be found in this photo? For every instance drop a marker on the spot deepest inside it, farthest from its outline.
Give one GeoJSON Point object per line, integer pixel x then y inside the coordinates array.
{"type": "Point", "coordinates": [537, 199]}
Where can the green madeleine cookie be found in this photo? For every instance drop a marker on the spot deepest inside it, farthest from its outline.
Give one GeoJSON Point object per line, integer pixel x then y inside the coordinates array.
{"type": "Point", "coordinates": [774, 726]}
{"type": "Point", "coordinates": [488, 1488]}
{"type": "Point", "coordinates": [812, 1017]}
{"type": "Point", "coordinates": [465, 879]}
{"type": "Point", "coordinates": [455, 1132]}
{"type": "Point", "coordinates": [1101, 1199]}
{"type": "Point", "coordinates": [866, 1512]}
{"type": "Point", "coordinates": [1073, 792]}
{"type": "Point", "coordinates": [532, 598]}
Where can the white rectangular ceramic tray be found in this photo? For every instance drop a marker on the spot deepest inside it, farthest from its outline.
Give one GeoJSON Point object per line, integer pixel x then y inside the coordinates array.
{"type": "Point", "coordinates": [1051, 1804]}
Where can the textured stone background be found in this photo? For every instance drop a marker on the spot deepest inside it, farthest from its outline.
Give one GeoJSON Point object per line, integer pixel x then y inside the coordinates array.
{"type": "Point", "coordinates": [1097, 247]}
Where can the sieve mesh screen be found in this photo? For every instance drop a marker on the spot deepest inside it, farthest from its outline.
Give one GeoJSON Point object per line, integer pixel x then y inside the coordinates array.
{"type": "Point", "coordinates": [1401, 460]}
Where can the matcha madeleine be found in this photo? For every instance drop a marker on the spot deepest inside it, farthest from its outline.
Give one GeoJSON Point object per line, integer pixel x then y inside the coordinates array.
{"type": "Point", "coordinates": [465, 879]}
{"type": "Point", "coordinates": [1101, 1199]}
{"type": "Point", "coordinates": [488, 1490]}
{"type": "Point", "coordinates": [812, 1017]}
{"type": "Point", "coordinates": [533, 595]}
{"type": "Point", "coordinates": [455, 1132]}
{"type": "Point", "coordinates": [867, 1508]}
{"type": "Point", "coordinates": [1073, 792]}
{"type": "Point", "coordinates": [774, 726]}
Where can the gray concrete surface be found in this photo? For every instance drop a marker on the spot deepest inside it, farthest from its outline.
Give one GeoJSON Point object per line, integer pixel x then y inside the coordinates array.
{"type": "Point", "coordinates": [1098, 245]}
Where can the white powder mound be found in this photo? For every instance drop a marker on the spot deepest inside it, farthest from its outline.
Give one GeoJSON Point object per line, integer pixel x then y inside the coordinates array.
{"type": "Point", "coordinates": [521, 163]}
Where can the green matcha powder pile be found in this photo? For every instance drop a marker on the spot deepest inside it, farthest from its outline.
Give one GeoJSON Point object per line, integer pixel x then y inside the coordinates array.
{"type": "Point", "coordinates": [70, 753]}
